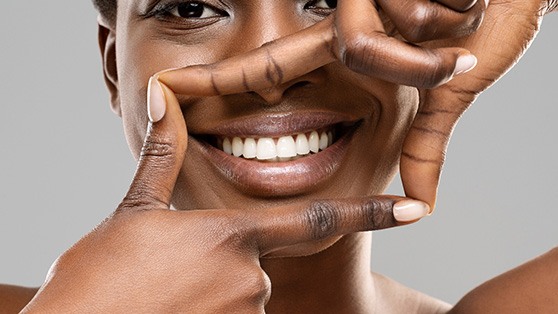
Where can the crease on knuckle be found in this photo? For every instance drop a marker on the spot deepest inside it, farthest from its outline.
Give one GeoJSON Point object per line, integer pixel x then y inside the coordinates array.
{"type": "Point", "coordinates": [230, 232]}
{"type": "Point", "coordinates": [464, 95]}
{"type": "Point", "coordinates": [437, 162]}
{"type": "Point", "coordinates": [157, 147]}
{"type": "Point", "coordinates": [273, 71]}
{"type": "Point", "coordinates": [322, 219]}
{"type": "Point", "coordinates": [378, 213]}
{"type": "Point", "coordinates": [359, 51]}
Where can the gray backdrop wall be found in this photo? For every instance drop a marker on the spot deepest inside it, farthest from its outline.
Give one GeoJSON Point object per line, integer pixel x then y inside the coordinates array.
{"type": "Point", "coordinates": [64, 164]}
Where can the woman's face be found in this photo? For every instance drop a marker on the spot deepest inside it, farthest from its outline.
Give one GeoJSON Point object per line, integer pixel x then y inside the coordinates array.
{"type": "Point", "coordinates": [365, 118]}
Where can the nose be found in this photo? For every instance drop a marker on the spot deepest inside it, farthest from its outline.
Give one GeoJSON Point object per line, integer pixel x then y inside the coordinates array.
{"type": "Point", "coordinates": [274, 95]}
{"type": "Point", "coordinates": [269, 21]}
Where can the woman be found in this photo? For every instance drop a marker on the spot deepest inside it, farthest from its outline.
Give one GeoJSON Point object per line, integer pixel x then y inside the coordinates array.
{"type": "Point", "coordinates": [378, 115]}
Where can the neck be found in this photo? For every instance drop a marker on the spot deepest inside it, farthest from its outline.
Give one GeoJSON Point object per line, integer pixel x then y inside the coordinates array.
{"type": "Point", "coordinates": [336, 280]}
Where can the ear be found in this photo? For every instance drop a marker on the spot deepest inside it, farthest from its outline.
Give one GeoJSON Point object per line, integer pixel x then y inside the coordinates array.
{"type": "Point", "coordinates": [107, 44]}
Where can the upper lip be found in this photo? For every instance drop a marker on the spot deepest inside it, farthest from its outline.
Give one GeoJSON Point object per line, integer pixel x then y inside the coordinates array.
{"type": "Point", "coordinates": [275, 124]}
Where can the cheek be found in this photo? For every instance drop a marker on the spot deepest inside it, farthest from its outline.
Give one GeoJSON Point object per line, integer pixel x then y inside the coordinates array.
{"type": "Point", "coordinates": [137, 60]}
{"type": "Point", "coordinates": [397, 109]}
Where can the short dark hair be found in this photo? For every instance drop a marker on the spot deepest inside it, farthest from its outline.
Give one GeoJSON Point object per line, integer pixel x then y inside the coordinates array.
{"type": "Point", "coordinates": [107, 9]}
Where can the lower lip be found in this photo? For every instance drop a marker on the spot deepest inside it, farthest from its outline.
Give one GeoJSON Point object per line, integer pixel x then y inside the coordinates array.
{"type": "Point", "coordinates": [278, 179]}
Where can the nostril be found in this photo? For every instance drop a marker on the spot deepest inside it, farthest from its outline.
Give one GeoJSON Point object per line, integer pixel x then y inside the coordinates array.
{"type": "Point", "coordinates": [299, 84]}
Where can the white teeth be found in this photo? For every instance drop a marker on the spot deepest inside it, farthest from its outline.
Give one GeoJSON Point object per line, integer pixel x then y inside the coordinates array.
{"type": "Point", "coordinates": [250, 148]}
{"type": "Point", "coordinates": [314, 142]}
{"type": "Point", "coordinates": [323, 141]}
{"type": "Point", "coordinates": [266, 149]}
{"type": "Point", "coordinates": [285, 148]}
{"type": "Point", "coordinates": [227, 147]}
{"type": "Point", "coordinates": [237, 147]}
{"type": "Point", "coordinates": [302, 147]}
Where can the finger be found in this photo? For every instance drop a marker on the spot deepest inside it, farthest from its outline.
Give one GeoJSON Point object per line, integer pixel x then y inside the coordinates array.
{"type": "Point", "coordinates": [499, 43]}
{"type": "Point", "coordinates": [290, 57]}
{"type": "Point", "coordinates": [285, 226]}
{"type": "Point", "coordinates": [273, 64]}
{"type": "Point", "coordinates": [424, 149]}
{"type": "Point", "coordinates": [423, 20]}
{"type": "Point", "coordinates": [365, 48]}
{"type": "Point", "coordinates": [162, 153]}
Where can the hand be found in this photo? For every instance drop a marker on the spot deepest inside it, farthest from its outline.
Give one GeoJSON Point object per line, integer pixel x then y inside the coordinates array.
{"type": "Point", "coordinates": [150, 259]}
{"type": "Point", "coordinates": [355, 35]}
{"type": "Point", "coordinates": [508, 29]}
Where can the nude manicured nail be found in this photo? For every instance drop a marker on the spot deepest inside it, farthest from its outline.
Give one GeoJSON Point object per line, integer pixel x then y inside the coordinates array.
{"type": "Point", "coordinates": [464, 64]}
{"type": "Point", "coordinates": [156, 104]}
{"type": "Point", "coordinates": [408, 210]}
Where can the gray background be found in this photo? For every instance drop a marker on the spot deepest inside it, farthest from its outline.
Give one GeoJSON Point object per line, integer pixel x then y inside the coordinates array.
{"type": "Point", "coordinates": [64, 164]}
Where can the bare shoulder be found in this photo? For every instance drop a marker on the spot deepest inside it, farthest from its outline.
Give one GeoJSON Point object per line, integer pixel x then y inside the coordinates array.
{"type": "Point", "coordinates": [13, 298]}
{"type": "Point", "coordinates": [529, 288]}
{"type": "Point", "coordinates": [394, 297]}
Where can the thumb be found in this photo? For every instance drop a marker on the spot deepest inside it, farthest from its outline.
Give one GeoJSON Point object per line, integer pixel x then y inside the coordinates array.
{"type": "Point", "coordinates": [162, 153]}
{"type": "Point", "coordinates": [424, 149]}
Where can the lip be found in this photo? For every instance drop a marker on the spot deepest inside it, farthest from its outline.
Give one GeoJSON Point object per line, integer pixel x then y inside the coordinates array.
{"type": "Point", "coordinates": [276, 125]}
{"type": "Point", "coordinates": [278, 179]}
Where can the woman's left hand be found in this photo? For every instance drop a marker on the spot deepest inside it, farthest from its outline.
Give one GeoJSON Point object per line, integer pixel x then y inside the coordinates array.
{"type": "Point", "coordinates": [506, 33]}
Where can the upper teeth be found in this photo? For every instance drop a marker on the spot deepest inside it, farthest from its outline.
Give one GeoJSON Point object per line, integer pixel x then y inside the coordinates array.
{"type": "Point", "coordinates": [286, 147]}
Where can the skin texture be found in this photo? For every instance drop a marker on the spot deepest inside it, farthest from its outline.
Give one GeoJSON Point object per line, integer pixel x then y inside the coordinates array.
{"type": "Point", "coordinates": [132, 245]}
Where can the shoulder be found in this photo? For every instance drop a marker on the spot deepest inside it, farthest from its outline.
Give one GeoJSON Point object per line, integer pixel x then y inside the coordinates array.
{"type": "Point", "coordinates": [13, 299]}
{"type": "Point", "coordinates": [394, 297]}
{"type": "Point", "coordinates": [529, 288]}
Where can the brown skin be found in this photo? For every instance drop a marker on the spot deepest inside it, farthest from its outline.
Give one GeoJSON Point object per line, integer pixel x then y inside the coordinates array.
{"type": "Point", "coordinates": [334, 280]}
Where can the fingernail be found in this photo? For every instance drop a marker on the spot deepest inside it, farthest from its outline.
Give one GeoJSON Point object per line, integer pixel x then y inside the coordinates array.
{"type": "Point", "coordinates": [409, 210]}
{"type": "Point", "coordinates": [464, 64]}
{"type": "Point", "coordinates": [156, 103]}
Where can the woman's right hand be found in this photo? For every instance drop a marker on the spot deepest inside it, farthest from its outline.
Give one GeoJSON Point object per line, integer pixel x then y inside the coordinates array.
{"type": "Point", "coordinates": [146, 258]}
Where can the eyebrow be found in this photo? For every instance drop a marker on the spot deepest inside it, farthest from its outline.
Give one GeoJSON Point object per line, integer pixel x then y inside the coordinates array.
{"type": "Point", "coordinates": [145, 6]}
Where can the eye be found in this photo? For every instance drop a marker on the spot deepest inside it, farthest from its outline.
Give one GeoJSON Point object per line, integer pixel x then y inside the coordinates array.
{"type": "Point", "coordinates": [321, 7]}
{"type": "Point", "coordinates": [323, 4]}
{"type": "Point", "coordinates": [194, 10]}
{"type": "Point", "coordinates": [185, 12]}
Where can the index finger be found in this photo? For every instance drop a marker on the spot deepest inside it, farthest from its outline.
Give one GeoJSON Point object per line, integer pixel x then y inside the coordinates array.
{"type": "Point", "coordinates": [287, 58]}
{"type": "Point", "coordinates": [318, 220]}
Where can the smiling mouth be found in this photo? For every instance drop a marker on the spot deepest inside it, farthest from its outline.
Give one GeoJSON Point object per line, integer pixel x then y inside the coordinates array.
{"type": "Point", "coordinates": [281, 148]}
{"type": "Point", "coordinates": [277, 156]}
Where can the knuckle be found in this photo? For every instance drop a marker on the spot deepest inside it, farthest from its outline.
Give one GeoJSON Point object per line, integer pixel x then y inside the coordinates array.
{"type": "Point", "coordinates": [140, 199]}
{"type": "Point", "coordinates": [378, 213]}
{"type": "Point", "coordinates": [257, 287]}
{"type": "Point", "coordinates": [231, 232]}
{"type": "Point", "coordinates": [157, 147]}
{"type": "Point", "coordinates": [416, 26]}
{"type": "Point", "coordinates": [322, 219]}
{"type": "Point", "coordinates": [358, 50]}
